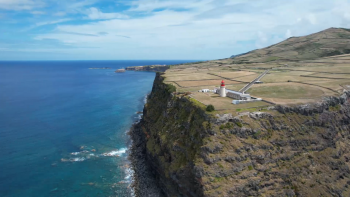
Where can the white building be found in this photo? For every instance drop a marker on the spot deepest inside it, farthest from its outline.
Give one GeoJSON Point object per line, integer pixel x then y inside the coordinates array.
{"type": "Point", "coordinates": [223, 92]}
{"type": "Point", "coordinates": [238, 95]}
{"type": "Point", "coordinates": [204, 90]}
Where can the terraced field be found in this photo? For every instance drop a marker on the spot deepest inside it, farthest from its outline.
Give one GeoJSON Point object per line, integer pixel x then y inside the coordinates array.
{"type": "Point", "coordinates": [302, 70]}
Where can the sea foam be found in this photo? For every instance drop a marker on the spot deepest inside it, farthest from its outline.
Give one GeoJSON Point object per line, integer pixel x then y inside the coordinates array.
{"type": "Point", "coordinates": [117, 153]}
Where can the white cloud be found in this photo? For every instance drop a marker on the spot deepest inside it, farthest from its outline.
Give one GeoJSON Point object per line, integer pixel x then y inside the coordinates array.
{"type": "Point", "coordinates": [96, 14]}
{"type": "Point", "coordinates": [38, 12]}
{"type": "Point", "coordinates": [312, 19]}
{"type": "Point", "coordinates": [150, 5]}
{"type": "Point", "coordinates": [59, 14]}
{"type": "Point", "coordinates": [20, 4]}
{"type": "Point", "coordinates": [262, 40]}
{"type": "Point", "coordinates": [52, 22]}
{"type": "Point", "coordinates": [193, 29]}
{"type": "Point", "coordinates": [288, 34]}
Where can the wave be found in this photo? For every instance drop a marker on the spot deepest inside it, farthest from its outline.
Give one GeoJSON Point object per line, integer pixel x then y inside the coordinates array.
{"type": "Point", "coordinates": [85, 155]}
{"type": "Point", "coordinates": [117, 153]}
{"type": "Point", "coordinates": [145, 99]}
{"type": "Point", "coordinates": [79, 159]}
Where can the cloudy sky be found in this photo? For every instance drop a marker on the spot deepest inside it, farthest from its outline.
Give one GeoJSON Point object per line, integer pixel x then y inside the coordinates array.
{"type": "Point", "coordinates": [157, 29]}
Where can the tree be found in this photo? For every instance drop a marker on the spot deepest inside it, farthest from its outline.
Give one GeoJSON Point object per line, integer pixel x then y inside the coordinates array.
{"type": "Point", "coordinates": [210, 108]}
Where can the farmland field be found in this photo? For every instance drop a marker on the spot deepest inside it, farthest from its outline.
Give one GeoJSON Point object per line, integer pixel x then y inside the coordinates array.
{"type": "Point", "coordinates": [299, 72]}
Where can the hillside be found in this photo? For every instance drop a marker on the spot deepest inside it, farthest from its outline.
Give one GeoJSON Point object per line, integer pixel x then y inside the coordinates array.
{"type": "Point", "coordinates": [302, 70]}
{"type": "Point", "coordinates": [330, 42]}
{"type": "Point", "coordinates": [294, 142]}
{"type": "Point", "coordinates": [280, 151]}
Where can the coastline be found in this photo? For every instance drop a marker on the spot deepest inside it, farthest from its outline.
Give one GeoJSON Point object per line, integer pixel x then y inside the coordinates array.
{"type": "Point", "coordinates": [143, 182]}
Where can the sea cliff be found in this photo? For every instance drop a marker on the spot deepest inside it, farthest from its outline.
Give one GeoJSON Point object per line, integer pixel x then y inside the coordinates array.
{"type": "Point", "coordinates": [152, 68]}
{"type": "Point", "coordinates": [180, 150]}
{"type": "Point", "coordinates": [167, 141]}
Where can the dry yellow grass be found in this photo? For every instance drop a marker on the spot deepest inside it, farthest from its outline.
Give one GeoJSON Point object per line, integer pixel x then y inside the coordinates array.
{"type": "Point", "coordinates": [327, 76]}
{"type": "Point", "coordinates": [233, 75]}
{"type": "Point", "coordinates": [190, 76]}
{"type": "Point", "coordinates": [203, 83]}
{"type": "Point", "coordinates": [331, 76]}
{"type": "Point", "coordinates": [286, 91]}
{"type": "Point", "coordinates": [329, 68]}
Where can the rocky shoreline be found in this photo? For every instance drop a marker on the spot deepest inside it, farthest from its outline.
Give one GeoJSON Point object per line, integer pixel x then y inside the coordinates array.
{"type": "Point", "coordinates": [144, 183]}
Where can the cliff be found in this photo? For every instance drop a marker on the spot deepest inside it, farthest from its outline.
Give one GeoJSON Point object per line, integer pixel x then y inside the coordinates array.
{"type": "Point", "coordinates": [153, 68]}
{"type": "Point", "coordinates": [170, 135]}
{"type": "Point", "coordinates": [283, 151]}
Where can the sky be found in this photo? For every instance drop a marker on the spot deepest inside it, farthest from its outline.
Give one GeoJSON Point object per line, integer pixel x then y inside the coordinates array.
{"type": "Point", "coordinates": [157, 29]}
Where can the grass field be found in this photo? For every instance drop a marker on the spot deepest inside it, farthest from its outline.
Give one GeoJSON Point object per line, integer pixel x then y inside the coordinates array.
{"type": "Point", "coordinates": [283, 84]}
{"type": "Point", "coordinates": [189, 76]}
{"type": "Point", "coordinates": [203, 83]}
{"type": "Point", "coordinates": [233, 75]}
{"type": "Point", "coordinates": [286, 91]}
{"type": "Point", "coordinates": [301, 71]}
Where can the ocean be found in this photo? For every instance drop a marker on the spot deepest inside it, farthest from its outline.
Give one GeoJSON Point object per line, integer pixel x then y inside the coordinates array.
{"type": "Point", "coordinates": [63, 126]}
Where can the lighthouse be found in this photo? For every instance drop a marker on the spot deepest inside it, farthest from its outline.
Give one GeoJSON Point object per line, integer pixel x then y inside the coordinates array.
{"type": "Point", "coordinates": [222, 89]}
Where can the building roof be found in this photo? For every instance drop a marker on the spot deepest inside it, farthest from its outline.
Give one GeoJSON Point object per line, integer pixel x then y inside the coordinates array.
{"type": "Point", "coordinates": [239, 93]}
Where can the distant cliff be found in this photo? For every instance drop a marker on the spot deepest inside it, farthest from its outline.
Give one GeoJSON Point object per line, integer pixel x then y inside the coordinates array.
{"type": "Point", "coordinates": [152, 68]}
{"type": "Point", "coordinates": [285, 151]}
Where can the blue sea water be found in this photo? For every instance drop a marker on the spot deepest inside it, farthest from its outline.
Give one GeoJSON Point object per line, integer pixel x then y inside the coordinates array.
{"type": "Point", "coordinates": [63, 126]}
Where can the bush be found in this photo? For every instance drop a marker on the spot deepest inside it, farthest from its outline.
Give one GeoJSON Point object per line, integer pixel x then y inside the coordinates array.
{"type": "Point", "coordinates": [239, 124]}
{"type": "Point", "coordinates": [346, 51]}
{"type": "Point", "coordinates": [210, 108]}
{"type": "Point", "coordinates": [170, 88]}
{"type": "Point", "coordinates": [257, 134]}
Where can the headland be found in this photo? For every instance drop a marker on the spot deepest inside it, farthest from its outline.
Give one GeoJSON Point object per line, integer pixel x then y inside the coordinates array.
{"type": "Point", "coordinates": [294, 142]}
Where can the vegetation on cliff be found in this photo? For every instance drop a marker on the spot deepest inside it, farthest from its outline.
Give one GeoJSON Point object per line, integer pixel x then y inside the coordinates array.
{"type": "Point", "coordinates": [285, 151]}
{"type": "Point", "coordinates": [288, 151]}
{"type": "Point", "coordinates": [174, 129]}
{"type": "Point", "coordinates": [297, 148]}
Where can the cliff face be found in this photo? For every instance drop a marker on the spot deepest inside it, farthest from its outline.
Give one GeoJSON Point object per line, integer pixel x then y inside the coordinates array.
{"type": "Point", "coordinates": [155, 68]}
{"type": "Point", "coordinates": [171, 133]}
{"type": "Point", "coordinates": [286, 151]}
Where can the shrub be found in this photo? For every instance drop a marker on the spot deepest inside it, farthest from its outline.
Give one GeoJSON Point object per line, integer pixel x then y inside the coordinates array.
{"type": "Point", "coordinates": [257, 134]}
{"type": "Point", "coordinates": [346, 51]}
{"type": "Point", "coordinates": [170, 88]}
{"type": "Point", "coordinates": [226, 126]}
{"type": "Point", "coordinates": [239, 124]}
{"type": "Point", "coordinates": [229, 125]}
{"type": "Point", "coordinates": [250, 167]}
{"type": "Point", "coordinates": [210, 108]}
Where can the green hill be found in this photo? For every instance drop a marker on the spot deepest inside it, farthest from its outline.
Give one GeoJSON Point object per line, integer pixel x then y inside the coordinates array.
{"type": "Point", "coordinates": [330, 42]}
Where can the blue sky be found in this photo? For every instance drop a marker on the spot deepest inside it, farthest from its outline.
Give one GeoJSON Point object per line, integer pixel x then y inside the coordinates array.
{"type": "Point", "coordinates": [157, 29]}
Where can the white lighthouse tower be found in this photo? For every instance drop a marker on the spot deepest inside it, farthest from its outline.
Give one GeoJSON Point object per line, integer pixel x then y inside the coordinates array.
{"type": "Point", "coordinates": [222, 89]}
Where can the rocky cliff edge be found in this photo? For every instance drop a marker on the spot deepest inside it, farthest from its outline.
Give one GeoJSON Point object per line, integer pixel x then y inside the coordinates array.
{"type": "Point", "coordinates": [180, 150]}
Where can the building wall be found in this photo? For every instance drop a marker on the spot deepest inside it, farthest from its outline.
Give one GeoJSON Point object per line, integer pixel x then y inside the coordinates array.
{"type": "Point", "coordinates": [234, 96]}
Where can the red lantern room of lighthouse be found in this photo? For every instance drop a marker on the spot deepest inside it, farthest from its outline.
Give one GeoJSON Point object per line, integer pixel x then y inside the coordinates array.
{"type": "Point", "coordinates": [222, 83]}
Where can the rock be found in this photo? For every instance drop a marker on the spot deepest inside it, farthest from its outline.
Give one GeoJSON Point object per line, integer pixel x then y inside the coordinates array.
{"type": "Point", "coordinates": [258, 115]}
{"type": "Point", "coordinates": [223, 118]}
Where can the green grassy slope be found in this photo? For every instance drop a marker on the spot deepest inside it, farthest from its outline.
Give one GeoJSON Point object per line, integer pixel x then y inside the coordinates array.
{"type": "Point", "coordinates": [330, 42]}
